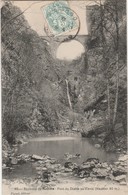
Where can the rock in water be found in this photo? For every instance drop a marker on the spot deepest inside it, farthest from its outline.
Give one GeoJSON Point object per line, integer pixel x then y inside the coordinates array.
{"type": "Point", "coordinates": [100, 173]}
{"type": "Point", "coordinates": [104, 165]}
{"type": "Point", "coordinates": [118, 172]}
{"type": "Point", "coordinates": [120, 178]}
{"type": "Point", "coordinates": [14, 161]}
{"type": "Point", "coordinates": [97, 146]}
{"type": "Point", "coordinates": [94, 160]}
{"type": "Point", "coordinates": [78, 155]}
{"type": "Point", "coordinates": [36, 157]}
{"type": "Point", "coordinates": [19, 142]}
{"type": "Point", "coordinates": [68, 164]}
{"type": "Point", "coordinates": [123, 183]}
{"type": "Point", "coordinates": [67, 170]}
{"type": "Point", "coordinates": [46, 176]}
{"type": "Point", "coordinates": [123, 158]}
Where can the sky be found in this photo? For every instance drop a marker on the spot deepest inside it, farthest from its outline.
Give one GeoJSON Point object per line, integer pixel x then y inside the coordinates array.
{"type": "Point", "coordinates": [70, 50]}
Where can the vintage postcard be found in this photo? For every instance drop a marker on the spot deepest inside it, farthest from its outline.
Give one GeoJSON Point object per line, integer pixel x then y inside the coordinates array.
{"type": "Point", "coordinates": [64, 97]}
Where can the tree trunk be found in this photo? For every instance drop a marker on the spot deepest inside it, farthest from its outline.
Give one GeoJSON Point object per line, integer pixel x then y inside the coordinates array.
{"type": "Point", "coordinates": [68, 95]}
{"type": "Point", "coordinates": [117, 66]}
{"type": "Point", "coordinates": [109, 109]}
{"type": "Point", "coordinates": [117, 93]}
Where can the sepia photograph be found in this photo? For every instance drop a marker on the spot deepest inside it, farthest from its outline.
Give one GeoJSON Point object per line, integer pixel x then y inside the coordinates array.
{"type": "Point", "coordinates": [64, 97]}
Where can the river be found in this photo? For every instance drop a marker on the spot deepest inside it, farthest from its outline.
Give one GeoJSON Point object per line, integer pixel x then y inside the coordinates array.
{"type": "Point", "coordinates": [56, 147]}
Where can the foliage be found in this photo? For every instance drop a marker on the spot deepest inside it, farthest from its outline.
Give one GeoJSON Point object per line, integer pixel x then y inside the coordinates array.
{"type": "Point", "coordinates": [38, 88]}
{"type": "Point", "coordinates": [107, 44]}
{"type": "Point", "coordinates": [27, 75]}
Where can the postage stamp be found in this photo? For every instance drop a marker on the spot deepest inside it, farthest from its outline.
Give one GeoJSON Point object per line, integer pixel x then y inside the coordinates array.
{"type": "Point", "coordinates": [60, 18]}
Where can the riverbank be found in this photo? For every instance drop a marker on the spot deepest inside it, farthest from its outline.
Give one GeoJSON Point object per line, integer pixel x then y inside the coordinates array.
{"type": "Point", "coordinates": [43, 171]}
{"type": "Point", "coordinates": [64, 185]}
{"type": "Point", "coordinates": [47, 169]}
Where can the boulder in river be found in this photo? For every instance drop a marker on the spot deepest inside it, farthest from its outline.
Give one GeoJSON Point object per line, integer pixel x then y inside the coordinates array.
{"type": "Point", "coordinates": [70, 156]}
{"type": "Point", "coordinates": [120, 178]}
{"type": "Point", "coordinates": [123, 158]}
{"type": "Point", "coordinates": [46, 176]}
{"type": "Point", "coordinates": [23, 158]}
{"type": "Point", "coordinates": [67, 170]}
{"type": "Point", "coordinates": [118, 172]}
{"type": "Point", "coordinates": [104, 165]}
{"type": "Point", "coordinates": [97, 146]}
{"type": "Point", "coordinates": [82, 171]}
{"type": "Point", "coordinates": [68, 164]}
{"type": "Point", "coordinates": [100, 172]}
{"type": "Point", "coordinates": [78, 155]}
{"type": "Point", "coordinates": [87, 166]}
{"type": "Point", "coordinates": [94, 160]}
{"type": "Point", "coordinates": [53, 161]}
{"type": "Point", "coordinates": [36, 157]}
{"type": "Point", "coordinates": [123, 183]}
{"type": "Point", "coordinates": [14, 161]}
{"type": "Point", "coordinates": [44, 169]}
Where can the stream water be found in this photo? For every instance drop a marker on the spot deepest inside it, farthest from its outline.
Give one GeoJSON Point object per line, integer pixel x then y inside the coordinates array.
{"type": "Point", "coordinates": [56, 147]}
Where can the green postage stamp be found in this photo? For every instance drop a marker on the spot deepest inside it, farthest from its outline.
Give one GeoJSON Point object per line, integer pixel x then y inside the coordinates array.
{"type": "Point", "coordinates": [60, 18]}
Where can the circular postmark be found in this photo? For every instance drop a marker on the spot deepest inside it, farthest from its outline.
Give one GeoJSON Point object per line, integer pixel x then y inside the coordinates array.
{"type": "Point", "coordinates": [61, 21]}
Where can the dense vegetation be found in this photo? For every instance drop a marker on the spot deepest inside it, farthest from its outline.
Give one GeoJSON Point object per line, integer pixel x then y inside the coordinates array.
{"type": "Point", "coordinates": [107, 44]}
{"type": "Point", "coordinates": [41, 93]}
{"type": "Point", "coordinates": [27, 76]}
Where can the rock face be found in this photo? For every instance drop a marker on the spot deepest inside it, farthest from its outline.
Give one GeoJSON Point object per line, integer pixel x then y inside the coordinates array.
{"type": "Point", "coordinates": [94, 129]}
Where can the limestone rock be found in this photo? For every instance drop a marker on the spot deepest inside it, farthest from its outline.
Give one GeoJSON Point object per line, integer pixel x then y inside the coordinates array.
{"type": "Point", "coordinates": [105, 165]}
{"type": "Point", "coordinates": [100, 172]}
{"type": "Point", "coordinates": [97, 146]}
{"type": "Point", "coordinates": [67, 170]}
{"type": "Point", "coordinates": [36, 157]}
{"type": "Point", "coordinates": [123, 183]}
{"type": "Point", "coordinates": [68, 164]}
{"type": "Point", "coordinates": [120, 178]}
{"type": "Point", "coordinates": [14, 161]}
{"type": "Point", "coordinates": [123, 158]}
{"type": "Point", "coordinates": [94, 160]}
{"type": "Point", "coordinates": [118, 172]}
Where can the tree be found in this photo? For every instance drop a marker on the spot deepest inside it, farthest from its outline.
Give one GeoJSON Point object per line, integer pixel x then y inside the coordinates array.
{"type": "Point", "coordinates": [108, 20]}
{"type": "Point", "coordinates": [25, 70]}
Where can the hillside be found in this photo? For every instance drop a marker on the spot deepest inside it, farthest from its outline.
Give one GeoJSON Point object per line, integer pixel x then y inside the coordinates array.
{"type": "Point", "coordinates": [41, 93]}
